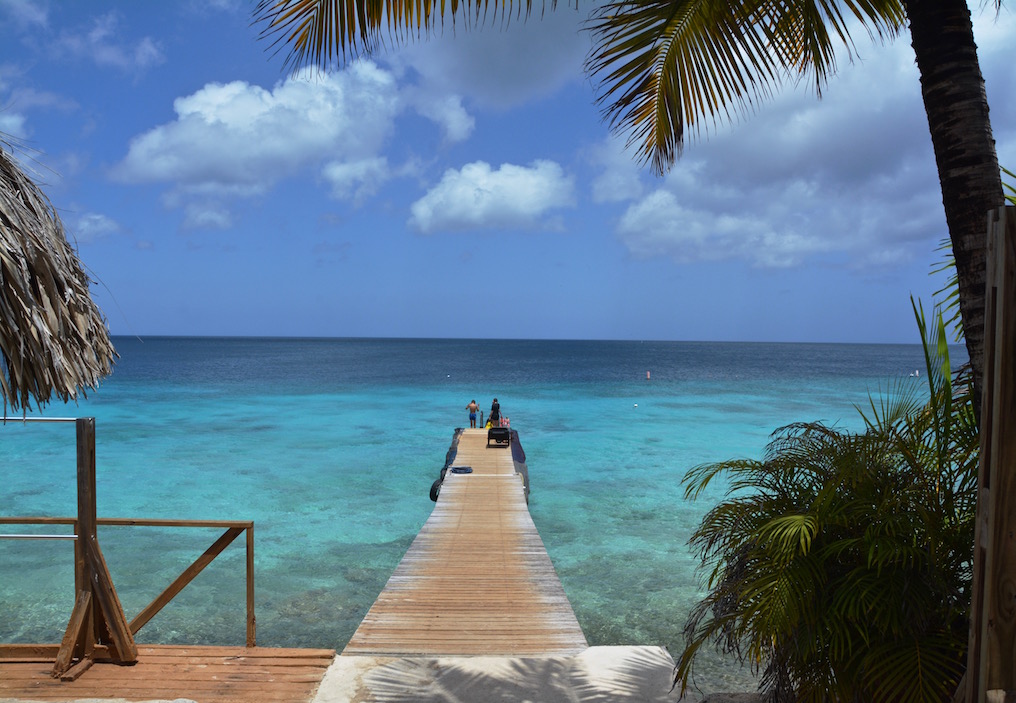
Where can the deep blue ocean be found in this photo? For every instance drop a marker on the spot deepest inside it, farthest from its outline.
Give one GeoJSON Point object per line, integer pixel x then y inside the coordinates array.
{"type": "Point", "coordinates": [331, 445]}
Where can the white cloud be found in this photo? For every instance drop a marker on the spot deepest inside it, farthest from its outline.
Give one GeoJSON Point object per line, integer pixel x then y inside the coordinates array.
{"type": "Point", "coordinates": [356, 179]}
{"type": "Point", "coordinates": [92, 226]}
{"type": "Point", "coordinates": [478, 197]}
{"type": "Point", "coordinates": [204, 6]}
{"type": "Point", "coordinates": [102, 45]}
{"type": "Point", "coordinates": [660, 226]}
{"type": "Point", "coordinates": [28, 98]}
{"type": "Point", "coordinates": [25, 13]}
{"type": "Point", "coordinates": [447, 111]}
{"type": "Point", "coordinates": [620, 175]}
{"type": "Point", "coordinates": [13, 124]}
{"type": "Point", "coordinates": [16, 101]}
{"type": "Point", "coordinates": [848, 178]}
{"type": "Point", "coordinates": [207, 215]}
{"type": "Point", "coordinates": [501, 66]}
{"type": "Point", "coordinates": [238, 139]}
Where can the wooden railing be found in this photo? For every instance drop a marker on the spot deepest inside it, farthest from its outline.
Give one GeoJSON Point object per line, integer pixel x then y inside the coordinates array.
{"type": "Point", "coordinates": [98, 626]}
{"type": "Point", "coordinates": [233, 530]}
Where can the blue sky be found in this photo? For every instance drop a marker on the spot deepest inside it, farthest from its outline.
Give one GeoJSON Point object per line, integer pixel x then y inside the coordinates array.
{"type": "Point", "coordinates": [467, 186]}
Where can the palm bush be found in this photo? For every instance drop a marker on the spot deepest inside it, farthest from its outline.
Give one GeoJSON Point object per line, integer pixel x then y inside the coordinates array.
{"type": "Point", "coordinates": [839, 564]}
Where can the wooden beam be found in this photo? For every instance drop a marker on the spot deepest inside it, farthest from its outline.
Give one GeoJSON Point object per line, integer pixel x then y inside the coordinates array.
{"type": "Point", "coordinates": [113, 617]}
{"type": "Point", "coordinates": [183, 579]}
{"type": "Point", "coordinates": [1000, 566]}
{"type": "Point", "coordinates": [73, 673]}
{"type": "Point", "coordinates": [251, 621]}
{"type": "Point", "coordinates": [42, 652]}
{"type": "Point", "coordinates": [78, 630]}
{"type": "Point", "coordinates": [125, 522]}
{"type": "Point", "coordinates": [991, 661]}
{"type": "Point", "coordinates": [108, 617]}
{"type": "Point", "coordinates": [83, 575]}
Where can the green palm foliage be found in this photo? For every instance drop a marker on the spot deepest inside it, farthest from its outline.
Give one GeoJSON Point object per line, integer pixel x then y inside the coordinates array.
{"type": "Point", "coordinates": [663, 65]}
{"type": "Point", "coordinates": [328, 32]}
{"type": "Point", "coordinates": [666, 64]}
{"type": "Point", "coordinates": [840, 563]}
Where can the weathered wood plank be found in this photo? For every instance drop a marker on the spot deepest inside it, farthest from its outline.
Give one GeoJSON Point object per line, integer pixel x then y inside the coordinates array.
{"type": "Point", "coordinates": [477, 578]}
{"type": "Point", "coordinates": [207, 674]}
{"type": "Point", "coordinates": [991, 662]}
{"type": "Point", "coordinates": [1000, 573]}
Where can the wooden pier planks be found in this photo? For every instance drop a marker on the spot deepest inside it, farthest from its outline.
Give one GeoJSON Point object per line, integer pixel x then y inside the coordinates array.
{"type": "Point", "coordinates": [206, 674]}
{"type": "Point", "coordinates": [477, 579]}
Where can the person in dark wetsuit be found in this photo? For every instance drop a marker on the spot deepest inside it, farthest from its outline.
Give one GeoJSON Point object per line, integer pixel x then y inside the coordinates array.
{"type": "Point", "coordinates": [495, 414]}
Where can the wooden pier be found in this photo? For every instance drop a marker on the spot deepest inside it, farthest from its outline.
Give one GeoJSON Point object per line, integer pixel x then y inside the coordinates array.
{"type": "Point", "coordinates": [477, 579]}
{"type": "Point", "coordinates": [476, 582]}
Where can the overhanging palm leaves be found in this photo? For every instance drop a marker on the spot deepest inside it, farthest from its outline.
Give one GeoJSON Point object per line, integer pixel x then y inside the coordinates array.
{"type": "Point", "coordinates": [667, 64]}
{"type": "Point", "coordinates": [663, 65]}
{"type": "Point", "coordinates": [53, 338]}
{"type": "Point", "coordinates": [840, 562]}
{"type": "Point", "coordinates": [327, 32]}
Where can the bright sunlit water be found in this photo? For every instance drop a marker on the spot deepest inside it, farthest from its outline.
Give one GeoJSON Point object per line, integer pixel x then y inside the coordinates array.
{"type": "Point", "coordinates": [331, 446]}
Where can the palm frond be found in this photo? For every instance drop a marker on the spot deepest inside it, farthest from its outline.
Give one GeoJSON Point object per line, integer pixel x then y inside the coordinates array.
{"type": "Point", "coordinates": [1010, 187]}
{"type": "Point", "coordinates": [915, 670]}
{"type": "Point", "coordinates": [327, 33]}
{"type": "Point", "coordinates": [790, 534]}
{"type": "Point", "coordinates": [949, 294]}
{"type": "Point", "coordinates": [837, 543]}
{"type": "Point", "coordinates": [665, 66]}
{"type": "Point", "coordinates": [939, 379]}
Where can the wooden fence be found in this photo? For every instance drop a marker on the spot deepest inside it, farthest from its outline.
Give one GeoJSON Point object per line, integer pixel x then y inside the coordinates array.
{"type": "Point", "coordinates": [991, 668]}
{"type": "Point", "coordinates": [98, 627]}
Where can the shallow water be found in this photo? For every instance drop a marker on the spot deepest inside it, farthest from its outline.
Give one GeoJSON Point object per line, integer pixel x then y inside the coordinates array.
{"type": "Point", "coordinates": [330, 446]}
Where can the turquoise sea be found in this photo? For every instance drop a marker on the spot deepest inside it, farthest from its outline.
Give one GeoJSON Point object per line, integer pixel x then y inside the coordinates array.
{"type": "Point", "coordinates": [331, 445]}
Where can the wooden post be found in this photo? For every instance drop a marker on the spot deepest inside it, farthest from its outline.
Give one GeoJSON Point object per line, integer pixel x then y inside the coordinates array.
{"type": "Point", "coordinates": [98, 614]}
{"type": "Point", "coordinates": [991, 664]}
{"type": "Point", "coordinates": [251, 622]}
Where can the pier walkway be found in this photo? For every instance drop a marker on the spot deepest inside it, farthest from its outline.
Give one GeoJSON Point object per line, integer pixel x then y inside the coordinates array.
{"type": "Point", "coordinates": [477, 579]}
{"type": "Point", "coordinates": [474, 612]}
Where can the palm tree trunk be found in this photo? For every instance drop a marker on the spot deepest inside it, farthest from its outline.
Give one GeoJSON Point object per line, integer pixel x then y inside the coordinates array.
{"type": "Point", "coordinates": [943, 39]}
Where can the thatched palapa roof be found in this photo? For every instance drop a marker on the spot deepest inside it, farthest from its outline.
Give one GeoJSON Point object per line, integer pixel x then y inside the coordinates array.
{"type": "Point", "coordinates": [53, 338]}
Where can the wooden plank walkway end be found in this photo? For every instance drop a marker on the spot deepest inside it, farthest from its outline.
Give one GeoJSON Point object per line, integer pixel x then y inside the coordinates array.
{"type": "Point", "coordinates": [168, 672]}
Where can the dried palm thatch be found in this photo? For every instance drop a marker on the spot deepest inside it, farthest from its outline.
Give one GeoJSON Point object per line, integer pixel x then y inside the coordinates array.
{"type": "Point", "coordinates": [53, 338]}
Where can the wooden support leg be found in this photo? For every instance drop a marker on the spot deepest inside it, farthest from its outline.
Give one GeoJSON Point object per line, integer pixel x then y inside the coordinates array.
{"type": "Point", "coordinates": [78, 669]}
{"type": "Point", "coordinates": [79, 631]}
{"type": "Point", "coordinates": [110, 609]}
